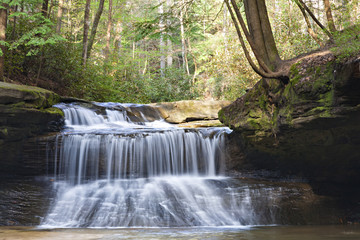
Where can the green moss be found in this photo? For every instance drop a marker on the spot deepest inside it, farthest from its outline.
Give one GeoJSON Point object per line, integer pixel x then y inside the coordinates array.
{"type": "Point", "coordinates": [347, 43]}
{"type": "Point", "coordinates": [53, 110]}
{"type": "Point", "coordinates": [3, 132]}
{"type": "Point", "coordinates": [33, 97]}
{"type": "Point", "coordinates": [294, 74]}
{"type": "Point", "coordinates": [327, 99]}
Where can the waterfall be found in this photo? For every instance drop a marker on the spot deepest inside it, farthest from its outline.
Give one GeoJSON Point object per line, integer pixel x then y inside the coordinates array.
{"type": "Point", "coordinates": [113, 172]}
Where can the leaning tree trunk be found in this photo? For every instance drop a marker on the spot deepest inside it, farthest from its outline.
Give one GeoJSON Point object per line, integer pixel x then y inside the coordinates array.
{"type": "Point", "coordinates": [86, 31]}
{"type": "Point", "coordinates": [94, 27]}
{"type": "Point", "coordinates": [329, 16]}
{"type": "Point", "coordinates": [3, 22]}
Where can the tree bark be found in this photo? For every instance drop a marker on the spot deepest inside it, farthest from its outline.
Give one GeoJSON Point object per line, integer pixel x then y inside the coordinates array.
{"type": "Point", "coordinates": [329, 16]}
{"type": "Point", "coordinates": [59, 16]}
{"type": "Point", "coordinates": [108, 31]}
{"type": "Point", "coordinates": [86, 32]}
{"type": "Point", "coordinates": [260, 32]}
{"type": "Point", "coordinates": [44, 9]}
{"type": "Point", "coordinates": [162, 43]}
{"type": "Point", "coordinates": [169, 43]}
{"type": "Point", "coordinates": [183, 41]}
{"type": "Point", "coordinates": [94, 27]}
{"type": "Point", "coordinates": [3, 24]}
{"type": "Point", "coordinates": [263, 70]}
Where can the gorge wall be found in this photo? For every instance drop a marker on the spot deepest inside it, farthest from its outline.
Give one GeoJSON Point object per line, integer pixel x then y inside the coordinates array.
{"type": "Point", "coordinates": [25, 113]}
{"type": "Point", "coordinates": [309, 127]}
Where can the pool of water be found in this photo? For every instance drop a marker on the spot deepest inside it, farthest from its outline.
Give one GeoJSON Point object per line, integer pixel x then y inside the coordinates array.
{"type": "Point", "coordinates": [326, 232]}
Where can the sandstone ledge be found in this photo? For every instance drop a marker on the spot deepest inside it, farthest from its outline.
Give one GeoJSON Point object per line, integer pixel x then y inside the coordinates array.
{"type": "Point", "coordinates": [189, 110]}
{"type": "Point", "coordinates": [309, 127]}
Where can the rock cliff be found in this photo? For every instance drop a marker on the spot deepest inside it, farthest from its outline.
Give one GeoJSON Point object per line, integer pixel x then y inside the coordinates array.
{"type": "Point", "coordinates": [25, 112]}
{"type": "Point", "coordinates": [309, 127]}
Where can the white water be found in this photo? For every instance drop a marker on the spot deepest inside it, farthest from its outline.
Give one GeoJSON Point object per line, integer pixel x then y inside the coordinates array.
{"type": "Point", "coordinates": [112, 172]}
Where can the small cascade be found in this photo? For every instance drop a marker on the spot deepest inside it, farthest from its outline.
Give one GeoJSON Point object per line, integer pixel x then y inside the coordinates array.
{"type": "Point", "coordinates": [113, 172]}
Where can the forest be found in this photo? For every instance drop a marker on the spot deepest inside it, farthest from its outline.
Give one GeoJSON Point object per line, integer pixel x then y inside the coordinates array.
{"type": "Point", "coordinates": [146, 51]}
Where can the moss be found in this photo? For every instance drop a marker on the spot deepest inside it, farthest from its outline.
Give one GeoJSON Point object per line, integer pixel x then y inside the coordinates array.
{"type": "Point", "coordinates": [294, 74]}
{"type": "Point", "coordinates": [30, 97]}
{"type": "Point", "coordinates": [4, 132]}
{"type": "Point", "coordinates": [53, 110]}
{"type": "Point", "coordinates": [327, 99]}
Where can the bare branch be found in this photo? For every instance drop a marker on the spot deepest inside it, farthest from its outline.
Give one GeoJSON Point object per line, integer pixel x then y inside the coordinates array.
{"type": "Point", "coordinates": [303, 5]}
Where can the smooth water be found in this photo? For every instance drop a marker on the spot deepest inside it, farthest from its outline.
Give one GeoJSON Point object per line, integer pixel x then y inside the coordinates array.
{"type": "Point", "coordinates": [119, 168]}
{"type": "Point", "coordinates": [202, 233]}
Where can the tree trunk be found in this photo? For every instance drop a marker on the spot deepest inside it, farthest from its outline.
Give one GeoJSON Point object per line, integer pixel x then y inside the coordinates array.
{"type": "Point", "coordinates": [329, 16]}
{"type": "Point", "coordinates": [117, 38]}
{"type": "Point", "coordinates": [50, 8]}
{"type": "Point", "coordinates": [44, 9]}
{"type": "Point", "coordinates": [94, 27]}
{"type": "Point", "coordinates": [86, 31]}
{"type": "Point", "coordinates": [260, 32]}
{"type": "Point", "coordinates": [13, 33]}
{"type": "Point", "coordinates": [59, 16]}
{"type": "Point", "coordinates": [260, 39]}
{"type": "Point", "coordinates": [161, 44]}
{"type": "Point", "coordinates": [225, 33]}
{"type": "Point", "coordinates": [108, 31]}
{"type": "Point", "coordinates": [3, 22]}
{"type": "Point", "coordinates": [303, 5]}
{"type": "Point", "coordinates": [169, 43]}
{"type": "Point", "coordinates": [309, 27]}
{"type": "Point", "coordinates": [183, 43]}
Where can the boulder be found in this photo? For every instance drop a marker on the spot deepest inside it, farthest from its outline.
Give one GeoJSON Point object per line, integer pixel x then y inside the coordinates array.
{"type": "Point", "coordinates": [309, 127]}
{"type": "Point", "coordinates": [189, 110]}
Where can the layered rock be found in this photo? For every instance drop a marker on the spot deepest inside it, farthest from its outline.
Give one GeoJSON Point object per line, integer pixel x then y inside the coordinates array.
{"type": "Point", "coordinates": [25, 112]}
{"type": "Point", "coordinates": [190, 110]}
{"type": "Point", "coordinates": [309, 127]}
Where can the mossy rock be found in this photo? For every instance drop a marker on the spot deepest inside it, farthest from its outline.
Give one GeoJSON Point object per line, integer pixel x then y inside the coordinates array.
{"type": "Point", "coordinates": [306, 127]}
{"type": "Point", "coordinates": [27, 96]}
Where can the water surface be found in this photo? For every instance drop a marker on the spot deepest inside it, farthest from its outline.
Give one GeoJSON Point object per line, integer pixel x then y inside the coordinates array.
{"type": "Point", "coordinates": [327, 232]}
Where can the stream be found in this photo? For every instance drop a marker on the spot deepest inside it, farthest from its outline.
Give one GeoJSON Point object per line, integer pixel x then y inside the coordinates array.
{"type": "Point", "coordinates": [118, 174]}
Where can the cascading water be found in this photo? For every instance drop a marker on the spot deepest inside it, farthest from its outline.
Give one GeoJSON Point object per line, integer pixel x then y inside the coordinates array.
{"type": "Point", "coordinates": [112, 172]}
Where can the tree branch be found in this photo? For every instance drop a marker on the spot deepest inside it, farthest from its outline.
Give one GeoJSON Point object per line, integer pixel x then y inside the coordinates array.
{"type": "Point", "coordinates": [310, 30]}
{"type": "Point", "coordinates": [247, 55]}
{"type": "Point", "coordinates": [303, 5]}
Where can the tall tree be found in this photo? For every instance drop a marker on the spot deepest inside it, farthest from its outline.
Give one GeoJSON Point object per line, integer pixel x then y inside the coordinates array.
{"type": "Point", "coordinates": [3, 23]}
{"type": "Point", "coordinates": [329, 16]}
{"type": "Point", "coordinates": [260, 37]}
{"type": "Point", "coordinates": [309, 27]}
{"type": "Point", "coordinates": [59, 16]}
{"type": "Point", "coordinates": [260, 32]}
{"type": "Point", "coordinates": [301, 4]}
{"type": "Point", "coordinates": [169, 42]}
{"type": "Point", "coordinates": [108, 31]}
{"type": "Point", "coordinates": [86, 32]}
{"type": "Point", "coordinates": [183, 41]}
{"type": "Point", "coordinates": [45, 6]}
{"type": "Point", "coordinates": [162, 43]}
{"type": "Point", "coordinates": [94, 27]}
